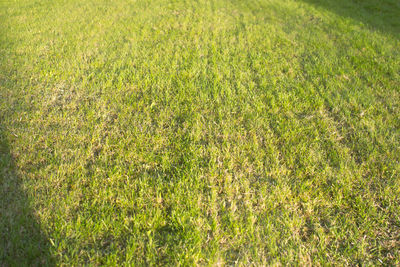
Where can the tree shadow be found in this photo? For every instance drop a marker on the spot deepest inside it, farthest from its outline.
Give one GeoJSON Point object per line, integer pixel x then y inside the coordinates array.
{"type": "Point", "coordinates": [22, 242]}
{"type": "Point", "coordinates": [380, 15]}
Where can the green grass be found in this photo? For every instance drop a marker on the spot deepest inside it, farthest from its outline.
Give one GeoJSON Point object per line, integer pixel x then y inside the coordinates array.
{"type": "Point", "coordinates": [138, 132]}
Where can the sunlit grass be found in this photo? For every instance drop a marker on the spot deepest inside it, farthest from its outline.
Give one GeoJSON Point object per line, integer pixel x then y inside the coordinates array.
{"type": "Point", "coordinates": [198, 133]}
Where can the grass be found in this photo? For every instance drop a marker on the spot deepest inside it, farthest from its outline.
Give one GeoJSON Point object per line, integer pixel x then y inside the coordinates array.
{"type": "Point", "coordinates": [136, 132]}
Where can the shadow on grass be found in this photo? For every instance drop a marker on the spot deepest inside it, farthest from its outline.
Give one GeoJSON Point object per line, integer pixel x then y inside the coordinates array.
{"type": "Point", "coordinates": [381, 15]}
{"type": "Point", "coordinates": [22, 242]}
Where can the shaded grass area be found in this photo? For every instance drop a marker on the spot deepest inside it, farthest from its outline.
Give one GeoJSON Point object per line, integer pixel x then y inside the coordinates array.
{"type": "Point", "coordinates": [22, 241]}
{"type": "Point", "coordinates": [209, 132]}
{"type": "Point", "coordinates": [378, 15]}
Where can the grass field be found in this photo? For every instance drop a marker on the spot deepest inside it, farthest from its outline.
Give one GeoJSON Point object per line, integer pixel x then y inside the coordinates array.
{"type": "Point", "coordinates": [208, 132]}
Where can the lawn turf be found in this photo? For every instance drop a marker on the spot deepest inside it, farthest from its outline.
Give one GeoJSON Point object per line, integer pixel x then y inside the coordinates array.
{"type": "Point", "coordinates": [173, 132]}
